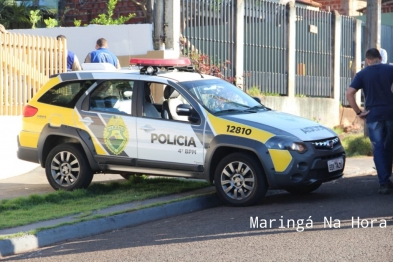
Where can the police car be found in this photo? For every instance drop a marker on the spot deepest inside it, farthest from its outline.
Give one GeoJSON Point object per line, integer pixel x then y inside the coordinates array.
{"type": "Point", "coordinates": [166, 119]}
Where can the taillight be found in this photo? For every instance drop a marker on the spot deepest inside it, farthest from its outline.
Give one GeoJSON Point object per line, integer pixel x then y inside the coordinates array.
{"type": "Point", "coordinates": [29, 111]}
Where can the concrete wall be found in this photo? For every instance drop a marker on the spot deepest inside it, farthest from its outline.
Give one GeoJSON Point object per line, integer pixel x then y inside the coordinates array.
{"type": "Point", "coordinates": [124, 40]}
{"type": "Point", "coordinates": [324, 110]}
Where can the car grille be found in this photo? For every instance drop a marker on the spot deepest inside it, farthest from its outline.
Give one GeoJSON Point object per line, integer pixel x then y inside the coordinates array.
{"type": "Point", "coordinates": [326, 143]}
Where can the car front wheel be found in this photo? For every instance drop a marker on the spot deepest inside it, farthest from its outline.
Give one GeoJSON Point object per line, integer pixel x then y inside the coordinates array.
{"type": "Point", "coordinates": [239, 180]}
{"type": "Point", "coordinates": [67, 168]}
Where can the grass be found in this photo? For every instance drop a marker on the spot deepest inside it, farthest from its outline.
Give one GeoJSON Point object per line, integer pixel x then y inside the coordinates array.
{"type": "Point", "coordinates": [92, 217]}
{"type": "Point", "coordinates": [82, 202]}
{"type": "Point", "coordinates": [338, 130]}
{"type": "Point", "coordinates": [357, 145]}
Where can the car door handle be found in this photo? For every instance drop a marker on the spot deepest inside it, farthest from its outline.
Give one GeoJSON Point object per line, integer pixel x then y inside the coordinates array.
{"type": "Point", "coordinates": [147, 128]}
{"type": "Point", "coordinates": [87, 120]}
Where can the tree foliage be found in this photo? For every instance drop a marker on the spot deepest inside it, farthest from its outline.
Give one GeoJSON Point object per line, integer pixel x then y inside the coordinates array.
{"type": "Point", "coordinates": [12, 13]}
{"type": "Point", "coordinates": [106, 19]}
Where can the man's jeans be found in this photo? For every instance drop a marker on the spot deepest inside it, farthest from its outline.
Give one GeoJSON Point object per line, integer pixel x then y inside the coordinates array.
{"type": "Point", "coordinates": [381, 137]}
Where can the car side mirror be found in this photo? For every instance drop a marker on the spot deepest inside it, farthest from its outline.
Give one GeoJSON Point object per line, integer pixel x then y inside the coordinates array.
{"type": "Point", "coordinates": [184, 110]}
{"type": "Point", "coordinates": [187, 110]}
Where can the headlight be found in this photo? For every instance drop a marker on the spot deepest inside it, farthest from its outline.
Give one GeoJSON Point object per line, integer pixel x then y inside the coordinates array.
{"type": "Point", "coordinates": [287, 143]}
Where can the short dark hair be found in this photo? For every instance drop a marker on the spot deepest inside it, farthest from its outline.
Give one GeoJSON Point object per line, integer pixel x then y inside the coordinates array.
{"type": "Point", "coordinates": [373, 53]}
{"type": "Point", "coordinates": [102, 42]}
{"type": "Point", "coordinates": [60, 37]}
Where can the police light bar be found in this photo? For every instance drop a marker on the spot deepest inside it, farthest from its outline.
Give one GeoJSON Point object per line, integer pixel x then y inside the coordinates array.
{"type": "Point", "coordinates": [161, 62]}
{"type": "Point", "coordinates": [151, 66]}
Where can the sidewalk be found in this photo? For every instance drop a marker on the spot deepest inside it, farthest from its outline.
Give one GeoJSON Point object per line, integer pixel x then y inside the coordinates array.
{"type": "Point", "coordinates": [10, 165]}
{"type": "Point", "coordinates": [131, 214]}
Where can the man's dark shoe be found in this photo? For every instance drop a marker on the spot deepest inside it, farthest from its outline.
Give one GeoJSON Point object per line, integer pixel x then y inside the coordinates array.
{"type": "Point", "coordinates": [385, 189]}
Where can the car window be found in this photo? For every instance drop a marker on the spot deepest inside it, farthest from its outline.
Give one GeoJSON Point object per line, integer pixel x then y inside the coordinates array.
{"type": "Point", "coordinates": [220, 96]}
{"type": "Point", "coordinates": [161, 102]}
{"type": "Point", "coordinates": [65, 94]}
{"type": "Point", "coordinates": [114, 96]}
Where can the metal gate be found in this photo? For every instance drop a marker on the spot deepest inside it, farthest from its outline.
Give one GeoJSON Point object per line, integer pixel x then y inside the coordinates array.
{"type": "Point", "coordinates": [265, 47]}
{"type": "Point", "coordinates": [313, 53]}
{"type": "Point", "coordinates": [208, 27]}
{"type": "Point", "coordinates": [347, 56]}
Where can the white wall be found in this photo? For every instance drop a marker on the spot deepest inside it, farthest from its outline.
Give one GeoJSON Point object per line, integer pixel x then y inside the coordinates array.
{"type": "Point", "coordinates": [325, 110]}
{"type": "Point", "coordinates": [123, 40]}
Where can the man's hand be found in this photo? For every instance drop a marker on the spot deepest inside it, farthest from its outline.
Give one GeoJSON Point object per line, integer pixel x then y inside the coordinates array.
{"type": "Point", "coordinates": [364, 114]}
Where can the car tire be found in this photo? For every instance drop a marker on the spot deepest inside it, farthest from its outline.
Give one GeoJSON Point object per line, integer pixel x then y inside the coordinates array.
{"type": "Point", "coordinates": [67, 168]}
{"type": "Point", "coordinates": [239, 180]}
{"type": "Point", "coordinates": [301, 190]}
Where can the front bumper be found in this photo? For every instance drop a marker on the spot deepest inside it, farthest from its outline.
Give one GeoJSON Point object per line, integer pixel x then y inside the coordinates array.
{"type": "Point", "coordinates": [310, 168]}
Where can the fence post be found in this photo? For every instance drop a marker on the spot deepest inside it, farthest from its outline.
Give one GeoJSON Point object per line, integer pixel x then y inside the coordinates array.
{"type": "Point", "coordinates": [239, 52]}
{"type": "Point", "coordinates": [172, 25]}
{"type": "Point", "coordinates": [291, 44]}
{"type": "Point", "coordinates": [357, 65]}
{"type": "Point", "coordinates": [336, 46]}
{"type": "Point", "coordinates": [158, 24]}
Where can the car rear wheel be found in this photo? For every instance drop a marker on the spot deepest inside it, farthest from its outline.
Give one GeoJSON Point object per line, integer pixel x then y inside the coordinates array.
{"type": "Point", "coordinates": [239, 180]}
{"type": "Point", "coordinates": [67, 168]}
{"type": "Point", "coordinates": [303, 189]}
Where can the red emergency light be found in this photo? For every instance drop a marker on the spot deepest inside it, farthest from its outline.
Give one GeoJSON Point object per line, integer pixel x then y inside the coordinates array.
{"type": "Point", "coordinates": [161, 62]}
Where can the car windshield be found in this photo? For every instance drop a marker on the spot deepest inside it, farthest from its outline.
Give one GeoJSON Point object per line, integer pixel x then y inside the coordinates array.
{"type": "Point", "coordinates": [219, 97]}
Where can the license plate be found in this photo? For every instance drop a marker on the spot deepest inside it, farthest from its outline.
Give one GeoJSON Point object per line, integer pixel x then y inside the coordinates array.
{"type": "Point", "coordinates": [335, 164]}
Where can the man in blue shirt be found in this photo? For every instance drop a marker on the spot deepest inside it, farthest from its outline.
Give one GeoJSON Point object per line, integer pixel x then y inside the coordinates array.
{"type": "Point", "coordinates": [72, 59]}
{"type": "Point", "coordinates": [376, 81]}
{"type": "Point", "coordinates": [102, 54]}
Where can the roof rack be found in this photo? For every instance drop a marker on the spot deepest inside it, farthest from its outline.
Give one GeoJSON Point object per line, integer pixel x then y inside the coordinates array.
{"type": "Point", "coordinates": [151, 66]}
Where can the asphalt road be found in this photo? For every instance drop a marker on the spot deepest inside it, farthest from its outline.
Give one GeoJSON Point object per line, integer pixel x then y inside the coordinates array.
{"type": "Point", "coordinates": [224, 233]}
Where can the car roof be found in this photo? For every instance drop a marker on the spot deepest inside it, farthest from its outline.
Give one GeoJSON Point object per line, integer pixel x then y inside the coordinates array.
{"type": "Point", "coordinates": [185, 76]}
{"type": "Point", "coordinates": [134, 74]}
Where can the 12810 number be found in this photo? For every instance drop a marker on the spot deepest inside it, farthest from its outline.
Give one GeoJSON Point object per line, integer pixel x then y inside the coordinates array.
{"type": "Point", "coordinates": [239, 130]}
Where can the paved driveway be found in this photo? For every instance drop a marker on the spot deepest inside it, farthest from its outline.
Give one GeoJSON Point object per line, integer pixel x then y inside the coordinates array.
{"type": "Point", "coordinates": [10, 165]}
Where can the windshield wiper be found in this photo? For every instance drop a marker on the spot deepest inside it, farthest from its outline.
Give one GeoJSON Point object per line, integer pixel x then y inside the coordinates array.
{"type": "Point", "coordinates": [229, 111]}
{"type": "Point", "coordinates": [256, 108]}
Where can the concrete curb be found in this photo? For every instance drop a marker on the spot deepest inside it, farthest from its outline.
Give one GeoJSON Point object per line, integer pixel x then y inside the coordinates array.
{"type": "Point", "coordinates": [27, 243]}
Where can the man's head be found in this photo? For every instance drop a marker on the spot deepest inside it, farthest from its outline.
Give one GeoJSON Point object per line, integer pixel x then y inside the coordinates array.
{"type": "Point", "coordinates": [60, 37]}
{"type": "Point", "coordinates": [101, 43]}
{"type": "Point", "coordinates": [373, 56]}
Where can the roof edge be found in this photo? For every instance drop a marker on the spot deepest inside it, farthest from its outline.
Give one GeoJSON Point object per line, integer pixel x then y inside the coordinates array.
{"type": "Point", "coordinates": [309, 2]}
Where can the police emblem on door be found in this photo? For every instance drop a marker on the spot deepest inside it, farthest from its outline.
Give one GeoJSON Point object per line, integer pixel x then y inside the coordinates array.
{"type": "Point", "coordinates": [116, 135]}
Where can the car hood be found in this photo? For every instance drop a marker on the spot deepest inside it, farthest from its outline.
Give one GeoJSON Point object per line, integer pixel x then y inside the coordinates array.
{"type": "Point", "coordinates": [280, 123]}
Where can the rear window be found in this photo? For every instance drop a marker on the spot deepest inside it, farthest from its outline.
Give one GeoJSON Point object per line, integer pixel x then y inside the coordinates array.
{"type": "Point", "coordinates": [65, 94]}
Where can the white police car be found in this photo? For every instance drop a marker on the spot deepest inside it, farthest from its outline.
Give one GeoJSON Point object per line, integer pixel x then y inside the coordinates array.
{"type": "Point", "coordinates": [174, 123]}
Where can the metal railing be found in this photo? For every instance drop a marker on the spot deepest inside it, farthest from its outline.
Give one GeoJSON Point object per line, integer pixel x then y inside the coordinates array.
{"type": "Point", "coordinates": [265, 47]}
{"type": "Point", "coordinates": [313, 53]}
{"type": "Point", "coordinates": [208, 28]}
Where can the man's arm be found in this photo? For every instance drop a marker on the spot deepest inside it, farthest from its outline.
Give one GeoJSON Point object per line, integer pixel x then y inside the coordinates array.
{"type": "Point", "coordinates": [88, 58]}
{"type": "Point", "coordinates": [352, 102]}
{"type": "Point", "coordinates": [118, 64]}
{"type": "Point", "coordinates": [76, 65]}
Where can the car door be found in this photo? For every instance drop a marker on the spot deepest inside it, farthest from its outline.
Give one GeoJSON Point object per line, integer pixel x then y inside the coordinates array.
{"type": "Point", "coordinates": [166, 143]}
{"type": "Point", "coordinates": [110, 117]}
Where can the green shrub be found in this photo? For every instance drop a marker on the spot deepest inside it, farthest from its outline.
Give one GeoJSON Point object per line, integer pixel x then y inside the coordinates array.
{"type": "Point", "coordinates": [339, 130]}
{"type": "Point", "coordinates": [357, 145]}
{"type": "Point", "coordinates": [254, 91]}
